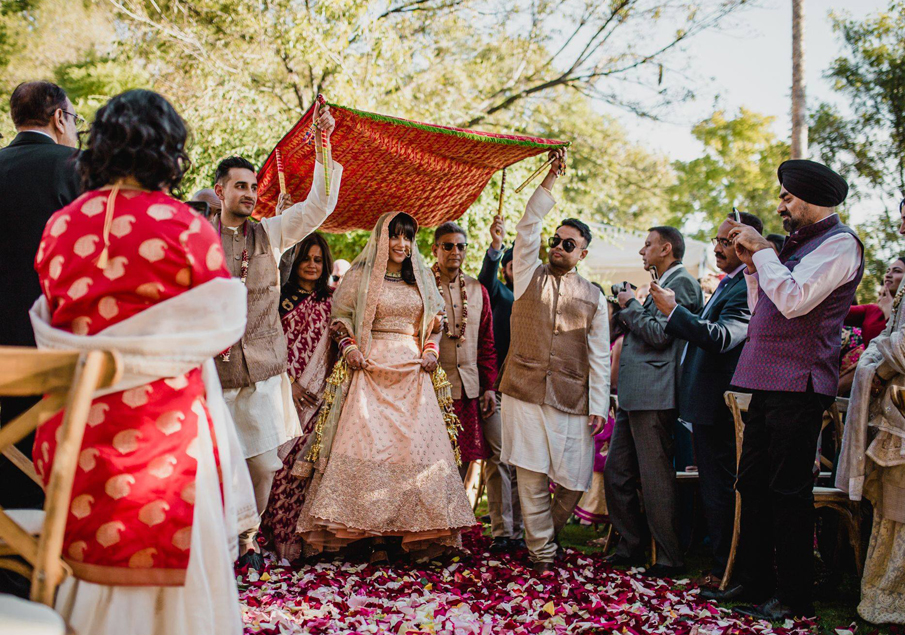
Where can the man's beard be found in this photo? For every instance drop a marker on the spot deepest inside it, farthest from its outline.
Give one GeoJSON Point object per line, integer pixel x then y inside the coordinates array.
{"type": "Point", "coordinates": [508, 280]}
{"type": "Point", "coordinates": [789, 224]}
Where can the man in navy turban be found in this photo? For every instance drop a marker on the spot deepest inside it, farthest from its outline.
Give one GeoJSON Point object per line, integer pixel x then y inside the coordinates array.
{"type": "Point", "coordinates": [790, 365]}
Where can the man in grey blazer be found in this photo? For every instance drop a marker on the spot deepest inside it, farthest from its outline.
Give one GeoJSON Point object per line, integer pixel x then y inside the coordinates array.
{"type": "Point", "coordinates": [642, 447]}
{"type": "Point", "coordinates": [715, 341]}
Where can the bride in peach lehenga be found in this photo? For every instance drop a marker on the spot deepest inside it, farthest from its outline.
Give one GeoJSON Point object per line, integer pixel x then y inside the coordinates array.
{"type": "Point", "coordinates": [384, 465]}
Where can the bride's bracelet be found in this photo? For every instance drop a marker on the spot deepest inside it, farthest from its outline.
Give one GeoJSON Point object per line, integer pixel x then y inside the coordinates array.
{"type": "Point", "coordinates": [430, 347]}
{"type": "Point", "coordinates": [348, 349]}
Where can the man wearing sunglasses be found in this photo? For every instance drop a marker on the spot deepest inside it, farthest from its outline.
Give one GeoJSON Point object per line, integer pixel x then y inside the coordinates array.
{"type": "Point", "coordinates": [643, 445]}
{"type": "Point", "coordinates": [556, 379]}
{"type": "Point", "coordinates": [467, 352]}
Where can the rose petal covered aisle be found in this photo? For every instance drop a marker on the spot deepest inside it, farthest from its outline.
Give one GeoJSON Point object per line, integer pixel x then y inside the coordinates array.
{"type": "Point", "coordinates": [481, 594]}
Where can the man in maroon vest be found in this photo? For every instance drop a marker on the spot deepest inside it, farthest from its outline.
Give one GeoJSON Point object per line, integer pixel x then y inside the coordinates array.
{"type": "Point", "coordinates": [257, 390]}
{"type": "Point", "coordinates": [790, 364]}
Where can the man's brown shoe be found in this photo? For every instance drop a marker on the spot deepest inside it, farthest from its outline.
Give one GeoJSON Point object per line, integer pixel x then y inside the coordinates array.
{"type": "Point", "coordinates": [543, 568]}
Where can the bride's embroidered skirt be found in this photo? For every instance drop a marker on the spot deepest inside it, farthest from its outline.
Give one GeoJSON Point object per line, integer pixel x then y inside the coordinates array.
{"type": "Point", "coordinates": [391, 471]}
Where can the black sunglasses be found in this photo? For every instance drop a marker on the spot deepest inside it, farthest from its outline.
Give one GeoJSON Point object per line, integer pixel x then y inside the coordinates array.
{"type": "Point", "coordinates": [449, 246]}
{"type": "Point", "coordinates": [568, 244]}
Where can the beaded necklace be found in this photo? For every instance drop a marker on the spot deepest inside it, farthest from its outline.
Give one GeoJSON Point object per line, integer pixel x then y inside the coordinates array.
{"type": "Point", "coordinates": [243, 269]}
{"type": "Point", "coordinates": [449, 333]}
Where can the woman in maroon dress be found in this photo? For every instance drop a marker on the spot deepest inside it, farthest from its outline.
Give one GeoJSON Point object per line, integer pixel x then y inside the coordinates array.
{"type": "Point", "coordinates": [305, 305]}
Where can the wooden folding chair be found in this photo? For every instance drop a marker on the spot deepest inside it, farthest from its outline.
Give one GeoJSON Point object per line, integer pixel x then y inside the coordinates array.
{"type": "Point", "coordinates": [829, 497]}
{"type": "Point", "coordinates": [834, 498]}
{"type": "Point", "coordinates": [738, 403]}
{"type": "Point", "coordinates": [68, 380]}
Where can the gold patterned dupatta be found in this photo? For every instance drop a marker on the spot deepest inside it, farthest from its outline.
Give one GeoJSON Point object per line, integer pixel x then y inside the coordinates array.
{"type": "Point", "coordinates": [875, 427]}
{"type": "Point", "coordinates": [354, 306]}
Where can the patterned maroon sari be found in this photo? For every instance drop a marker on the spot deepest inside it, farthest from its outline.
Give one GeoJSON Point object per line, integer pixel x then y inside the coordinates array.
{"type": "Point", "coordinates": [305, 320]}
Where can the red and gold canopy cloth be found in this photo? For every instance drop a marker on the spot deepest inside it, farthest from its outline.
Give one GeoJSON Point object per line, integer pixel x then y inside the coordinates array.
{"type": "Point", "coordinates": [435, 173]}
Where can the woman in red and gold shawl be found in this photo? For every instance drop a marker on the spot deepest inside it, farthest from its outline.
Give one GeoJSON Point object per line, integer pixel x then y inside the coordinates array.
{"type": "Point", "coordinates": [305, 304]}
{"type": "Point", "coordinates": [158, 487]}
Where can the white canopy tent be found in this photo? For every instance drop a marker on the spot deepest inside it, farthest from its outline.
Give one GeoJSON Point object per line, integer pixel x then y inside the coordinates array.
{"type": "Point", "coordinates": [613, 256]}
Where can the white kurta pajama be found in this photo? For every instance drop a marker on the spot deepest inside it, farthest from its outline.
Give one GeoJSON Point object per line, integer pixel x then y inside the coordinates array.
{"type": "Point", "coordinates": [539, 438]}
{"type": "Point", "coordinates": [264, 412]}
{"type": "Point", "coordinates": [264, 415]}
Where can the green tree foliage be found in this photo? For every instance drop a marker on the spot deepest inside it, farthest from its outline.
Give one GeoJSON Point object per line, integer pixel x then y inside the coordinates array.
{"type": "Point", "coordinates": [870, 144]}
{"type": "Point", "coordinates": [867, 143]}
{"type": "Point", "coordinates": [242, 73]}
{"type": "Point", "coordinates": [738, 169]}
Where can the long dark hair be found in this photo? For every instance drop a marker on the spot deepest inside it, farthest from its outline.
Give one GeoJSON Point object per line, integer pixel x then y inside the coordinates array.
{"type": "Point", "coordinates": [321, 287]}
{"type": "Point", "coordinates": [404, 225]}
{"type": "Point", "coordinates": [138, 133]}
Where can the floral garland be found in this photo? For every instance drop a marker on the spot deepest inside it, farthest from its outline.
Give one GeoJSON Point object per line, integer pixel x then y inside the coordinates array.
{"type": "Point", "coordinates": [449, 333]}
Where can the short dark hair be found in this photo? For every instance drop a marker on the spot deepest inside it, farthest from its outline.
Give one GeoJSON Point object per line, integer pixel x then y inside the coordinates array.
{"type": "Point", "coordinates": [138, 133]}
{"type": "Point", "coordinates": [34, 103]}
{"type": "Point", "coordinates": [228, 164]}
{"type": "Point", "coordinates": [674, 237]}
{"type": "Point", "coordinates": [507, 257]}
{"type": "Point", "coordinates": [749, 219]}
{"type": "Point", "coordinates": [321, 287]}
{"type": "Point", "coordinates": [449, 227]}
{"type": "Point", "coordinates": [583, 229]}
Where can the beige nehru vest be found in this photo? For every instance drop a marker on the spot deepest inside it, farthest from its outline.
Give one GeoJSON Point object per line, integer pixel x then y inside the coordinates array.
{"type": "Point", "coordinates": [261, 353]}
{"type": "Point", "coordinates": [548, 354]}
{"type": "Point", "coordinates": [459, 358]}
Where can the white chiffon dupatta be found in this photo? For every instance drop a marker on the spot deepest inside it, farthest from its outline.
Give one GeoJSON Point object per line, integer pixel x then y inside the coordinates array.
{"type": "Point", "coordinates": [167, 340]}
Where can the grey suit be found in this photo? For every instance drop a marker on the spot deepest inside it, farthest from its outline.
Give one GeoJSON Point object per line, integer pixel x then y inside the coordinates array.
{"type": "Point", "coordinates": [641, 450]}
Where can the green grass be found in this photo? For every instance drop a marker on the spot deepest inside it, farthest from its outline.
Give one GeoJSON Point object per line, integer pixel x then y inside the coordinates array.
{"type": "Point", "coordinates": [834, 610]}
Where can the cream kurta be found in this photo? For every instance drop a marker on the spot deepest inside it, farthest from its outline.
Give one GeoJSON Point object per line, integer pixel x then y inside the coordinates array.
{"type": "Point", "coordinates": [872, 464]}
{"type": "Point", "coordinates": [539, 437]}
{"type": "Point", "coordinates": [264, 415]}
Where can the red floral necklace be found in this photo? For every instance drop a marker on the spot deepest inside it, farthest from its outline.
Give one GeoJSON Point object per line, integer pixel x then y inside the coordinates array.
{"type": "Point", "coordinates": [243, 269]}
{"type": "Point", "coordinates": [461, 334]}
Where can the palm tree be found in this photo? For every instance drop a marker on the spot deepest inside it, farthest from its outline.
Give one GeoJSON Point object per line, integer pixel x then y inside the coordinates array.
{"type": "Point", "coordinates": [799, 107]}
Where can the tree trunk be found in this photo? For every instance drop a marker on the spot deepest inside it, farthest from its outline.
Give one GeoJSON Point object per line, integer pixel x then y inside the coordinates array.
{"type": "Point", "coordinates": [799, 107]}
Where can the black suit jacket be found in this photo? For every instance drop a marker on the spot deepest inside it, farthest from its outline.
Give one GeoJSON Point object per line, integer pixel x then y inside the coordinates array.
{"type": "Point", "coordinates": [715, 343]}
{"type": "Point", "coordinates": [37, 177]}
